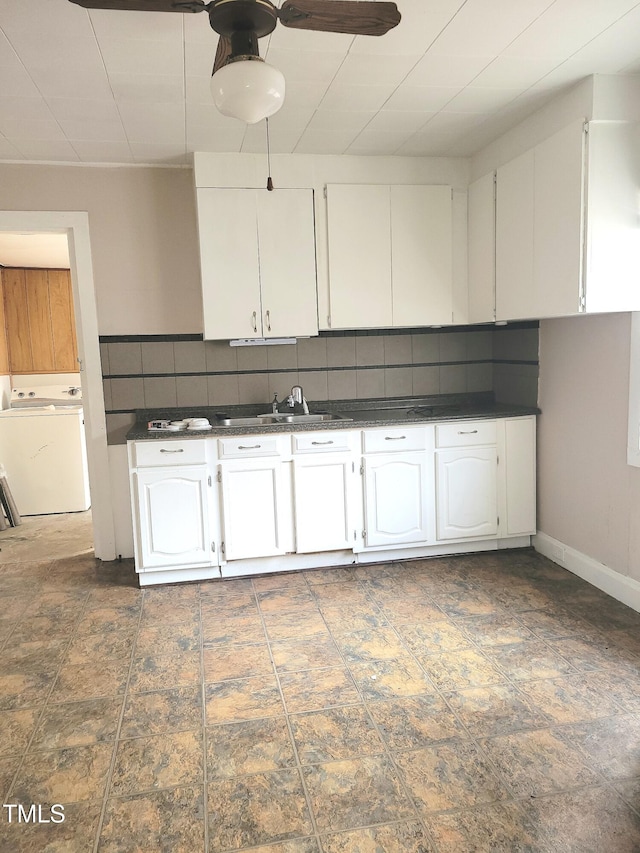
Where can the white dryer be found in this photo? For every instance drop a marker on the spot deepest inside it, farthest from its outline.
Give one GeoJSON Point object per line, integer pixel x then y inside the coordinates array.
{"type": "Point", "coordinates": [42, 447]}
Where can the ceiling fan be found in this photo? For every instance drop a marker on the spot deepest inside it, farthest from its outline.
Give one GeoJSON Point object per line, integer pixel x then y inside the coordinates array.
{"type": "Point", "coordinates": [243, 85]}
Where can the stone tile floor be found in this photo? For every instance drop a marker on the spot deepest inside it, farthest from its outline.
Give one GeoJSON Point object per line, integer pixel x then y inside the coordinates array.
{"type": "Point", "coordinates": [477, 703]}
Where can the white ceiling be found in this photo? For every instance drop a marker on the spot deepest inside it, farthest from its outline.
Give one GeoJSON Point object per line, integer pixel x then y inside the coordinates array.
{"type": "Point", "coordinates": [133, 87]}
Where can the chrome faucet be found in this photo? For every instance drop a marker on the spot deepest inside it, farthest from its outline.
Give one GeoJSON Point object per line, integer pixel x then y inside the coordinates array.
{"type": "Point", "coordinates": [297, 396]}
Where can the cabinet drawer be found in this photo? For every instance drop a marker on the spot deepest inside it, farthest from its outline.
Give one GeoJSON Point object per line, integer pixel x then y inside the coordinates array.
{"type": "Point", "coordinates": [250, 445]}
{"type": "Point", "coordinates": [394, 438]}
{"type": "Point", "coordinates": [322, 442]}
{"type": "Point", "coordinates": [151, 453]}
{"type": "Point", "coordinates": [463, 433]}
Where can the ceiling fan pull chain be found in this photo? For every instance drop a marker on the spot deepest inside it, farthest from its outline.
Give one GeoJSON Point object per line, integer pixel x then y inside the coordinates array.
{"type": "Point", "coordinates": [269, 181]}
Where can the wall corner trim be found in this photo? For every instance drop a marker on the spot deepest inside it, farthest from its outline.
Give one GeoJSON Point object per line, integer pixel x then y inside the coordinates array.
{"type": "Point", "coordinates": [618, 586]}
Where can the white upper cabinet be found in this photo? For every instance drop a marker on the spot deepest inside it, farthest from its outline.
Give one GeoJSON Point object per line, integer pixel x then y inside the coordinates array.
{"type": "Point", "coordinates": [390, 256]}
{"type": "Point", "coordinates": [258, 264]}
{"type": "Point", "coordinates": [613, 220]}
{"type": "Point", "coordinates": [567, 226]}
{"type": "Point", "coordinates": [359, 231]}
{"type": "Point", "coordinates": [421, 255]}
{"type": "Point", "coordinates": [481, 253]}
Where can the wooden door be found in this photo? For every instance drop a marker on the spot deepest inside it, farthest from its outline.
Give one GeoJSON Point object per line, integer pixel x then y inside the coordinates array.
{"type": "Point", "coordinates": [4, 350]}
{"type": "Point", "coordinates": [40, 322]}
{"type": "Point", "coordinates": [16, 309]}
{"type": "Point", "coordinates": [63, 326]}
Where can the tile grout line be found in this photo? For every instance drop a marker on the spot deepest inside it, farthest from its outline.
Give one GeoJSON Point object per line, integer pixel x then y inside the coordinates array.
{"type": "Point", "coordinates": [515, 684]}
{"type": "Point", "coordinates": [385, 748]}
{"type": "Point", "coordinates": [49, 692]}
{"type": "Point", "coordinates": [125, 698]}
{"type": "Point", "coordinates": [294, 747]}
{"type": "Point", "coordinates": [439, 693]}
{"type": "Point", "coordinates": [203, 699]}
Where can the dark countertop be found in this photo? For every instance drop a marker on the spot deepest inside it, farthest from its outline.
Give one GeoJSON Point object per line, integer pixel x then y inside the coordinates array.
{"type": "Point", "coordinates": [361, 413]}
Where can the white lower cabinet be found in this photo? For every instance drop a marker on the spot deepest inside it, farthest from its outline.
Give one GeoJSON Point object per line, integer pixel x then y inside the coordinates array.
{"type": "Point", "coordinates": [228, 506]}
{"type": "Point", "coordinates": [467, 493]}
{"type": "Point", "coordinates": [173, 517]}
{"type": "Point", "coordinates": [256, 514]}
{"type": "Point", "coordinates": [466, 480]}
{"type": "Point", "coordinates": [395, 499]}
{"type": "Point", "coordinates": [398, 486]}
{"type": "Point", "coordinates": [516, 440]}
{"type": "Point", "coordinates": [323, 499]}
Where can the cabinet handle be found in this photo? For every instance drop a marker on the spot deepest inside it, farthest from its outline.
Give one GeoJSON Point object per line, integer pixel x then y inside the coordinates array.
{"type": "Point", "coordinates": [268, 319]}
{"type": "Point", "coordinates": [249, 446]}
{"type": "Point", "coordinates": [254, 321]}
{"type": "Point", "coordinates": [181, 450]}
{"type": "Point", "coordinates": [321, 442]}
{"type": "Point", "coordinates": [467, 432]}
{"type": "Point", "coordinates": [395, 437]}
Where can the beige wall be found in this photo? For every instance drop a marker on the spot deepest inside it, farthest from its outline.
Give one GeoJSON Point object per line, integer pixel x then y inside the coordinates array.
{"type": "Point", "coordinates": [142, 224]}
{"type": "Point", "coordinates": [588, 497]}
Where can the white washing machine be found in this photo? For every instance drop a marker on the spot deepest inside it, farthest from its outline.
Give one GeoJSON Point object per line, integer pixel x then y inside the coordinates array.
{"type": "Point", "coordinates": [42, 448]}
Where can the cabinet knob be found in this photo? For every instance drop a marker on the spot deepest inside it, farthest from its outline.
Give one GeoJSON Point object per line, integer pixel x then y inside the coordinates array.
{"type": "Point", "coordinates": [467, 431]}
{"type": "Point", "coordinates": [163, 450]}
{"type": "Point", "coordinates": [268, 319]}
{"type": "Point", "coordinates": [254, 321]}
{"type": "Point", "coordinates": [321, 442]}
{"type": "Point", "coordinates": [395, 437]}
{"type": "Point", "coordinates": [249, 446]}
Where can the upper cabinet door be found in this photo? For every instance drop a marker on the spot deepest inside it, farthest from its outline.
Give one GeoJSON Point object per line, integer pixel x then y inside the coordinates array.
{"type": "Point", "coordinates": [613, 232]}
{"type": "Point", "coordinates": [258, 263]}
{"type": "Point", "coordinates": [422, 255]}
{"type": "Point", "coordinates": [481, 255]}
{"type": "Point", "coordinates": [390, 256]}
{"type": "Point", "coordinates": [228, 230]}
{"type": "Point", "coordinates": [539, 229]}
{"type": "Point", "coordinates": [286, 239]}
{"type": "Point", "coordinates": [359, 233]}
{"type": "Point", "coordinates": [514, 239]}
{"type": "Point", "coordinates": [558, 209]}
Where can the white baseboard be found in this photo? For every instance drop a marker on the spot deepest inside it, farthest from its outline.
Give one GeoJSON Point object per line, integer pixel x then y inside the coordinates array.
{"type": "Point", "coordinates": [618, 586]}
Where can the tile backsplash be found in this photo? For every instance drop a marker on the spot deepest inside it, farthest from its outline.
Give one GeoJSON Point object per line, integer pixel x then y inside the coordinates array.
{"type": "Point", "coordinates": [182, 370]}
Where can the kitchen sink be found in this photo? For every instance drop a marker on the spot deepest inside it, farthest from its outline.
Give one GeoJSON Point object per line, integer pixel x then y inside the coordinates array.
{"type": "Point", "coordinates": [274, 418]}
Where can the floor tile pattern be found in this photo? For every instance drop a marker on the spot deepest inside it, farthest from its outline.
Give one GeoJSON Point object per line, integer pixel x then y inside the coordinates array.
{"type": "Point", "coordinates": [486, 702]}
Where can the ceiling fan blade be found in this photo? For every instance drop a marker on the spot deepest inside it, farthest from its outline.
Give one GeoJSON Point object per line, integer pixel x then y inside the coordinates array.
{"type": "Point", "coordinates": [145, 5]}
{"type": "Point", "coordinates": [355, 17]}
{"type": "Point", "coordinates": [222, 53]}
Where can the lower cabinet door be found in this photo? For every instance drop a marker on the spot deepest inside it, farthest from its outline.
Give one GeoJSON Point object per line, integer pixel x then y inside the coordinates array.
{"type": "Point", "coordinates": [255, 515]}
{"type": "Point", "coordinates": [323, 500]}
{"type": "Point", "coordinates": [173, 523]}
{"type": "Point", "coordinates": [396, 491]}
{"type": "Point", "coordinates": [466, 487]}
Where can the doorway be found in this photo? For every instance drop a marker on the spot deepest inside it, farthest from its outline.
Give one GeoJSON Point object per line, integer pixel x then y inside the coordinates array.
{"type": "Point", "coordinates": [75, 227]}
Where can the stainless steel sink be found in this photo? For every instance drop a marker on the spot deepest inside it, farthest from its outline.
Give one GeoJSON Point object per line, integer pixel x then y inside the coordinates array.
{"type": "Point", "coordinates": [273, 418]}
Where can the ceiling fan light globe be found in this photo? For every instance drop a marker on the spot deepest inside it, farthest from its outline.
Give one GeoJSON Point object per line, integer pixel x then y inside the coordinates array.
{"type": "Point", "coordinates": [249, 90]}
